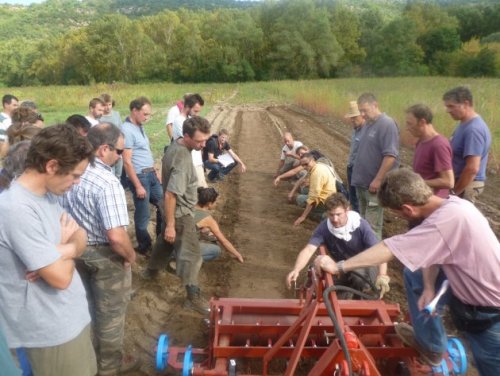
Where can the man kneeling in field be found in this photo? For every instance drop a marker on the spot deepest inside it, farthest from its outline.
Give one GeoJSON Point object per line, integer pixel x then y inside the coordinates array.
{"type": "Point", "coordinates": [344, 234]}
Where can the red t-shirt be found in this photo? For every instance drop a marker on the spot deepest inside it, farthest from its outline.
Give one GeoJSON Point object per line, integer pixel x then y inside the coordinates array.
{"type": "Point", "coordinates": [432, 157]}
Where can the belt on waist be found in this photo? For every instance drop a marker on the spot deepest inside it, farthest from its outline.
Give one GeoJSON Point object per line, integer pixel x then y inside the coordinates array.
{"type": "Point", "coordinates": [484, 309]}
{"type": "Point", "coordinates": [148, 170]}
{"type": "Point", "coordinates": [98, 244]}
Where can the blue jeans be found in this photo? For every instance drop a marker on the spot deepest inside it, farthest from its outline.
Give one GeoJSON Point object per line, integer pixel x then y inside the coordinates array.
{"type": "Point", "coordinates": [209, 251]}
{"type": "Point", "coordinates": [154, 195]}
{"type": "Point", "coordinates": [217, 171]}
{"type": "Point", "coordinates": [353, 197]}
{"type": "Point", "coordinates": [430, 332]}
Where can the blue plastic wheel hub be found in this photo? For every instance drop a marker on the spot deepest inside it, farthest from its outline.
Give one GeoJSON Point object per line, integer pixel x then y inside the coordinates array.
{"type": "Point", "coordinates": [162, 352]}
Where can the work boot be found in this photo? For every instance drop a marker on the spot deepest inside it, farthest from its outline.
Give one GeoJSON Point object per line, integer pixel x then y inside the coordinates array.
{"type": "Point", "coordinates": [195, 301]}
{"type": "Point", "coordinates": [149, 274]}
{"type": "Point", "coordinates": [406, 333]}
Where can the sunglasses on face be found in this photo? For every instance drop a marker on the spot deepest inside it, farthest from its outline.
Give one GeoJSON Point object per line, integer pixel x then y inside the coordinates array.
{"type": "Point", "coordinates": [118, 151]}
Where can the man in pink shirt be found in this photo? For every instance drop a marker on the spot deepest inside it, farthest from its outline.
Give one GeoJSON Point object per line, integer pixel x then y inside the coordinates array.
{"type": "Point", "coordinates": [432, 159]}
{"type": "Point", "coordinates": [455, 238]}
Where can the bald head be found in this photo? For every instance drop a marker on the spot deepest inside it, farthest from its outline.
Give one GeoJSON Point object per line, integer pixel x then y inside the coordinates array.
{"type": "Point", "coordinates": [288, 139]}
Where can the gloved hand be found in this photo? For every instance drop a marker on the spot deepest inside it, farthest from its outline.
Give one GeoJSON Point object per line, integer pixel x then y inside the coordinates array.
{"type": "Point", "coordinates": [382, 283]}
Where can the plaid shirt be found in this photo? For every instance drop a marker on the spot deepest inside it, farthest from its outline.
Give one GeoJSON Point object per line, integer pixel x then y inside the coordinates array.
{"type": "Point", "coordinates": [98, 203]}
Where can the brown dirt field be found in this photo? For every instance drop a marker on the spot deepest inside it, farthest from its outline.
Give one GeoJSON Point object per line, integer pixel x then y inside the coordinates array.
{"type": "Point", "coordinates": [257, 219]}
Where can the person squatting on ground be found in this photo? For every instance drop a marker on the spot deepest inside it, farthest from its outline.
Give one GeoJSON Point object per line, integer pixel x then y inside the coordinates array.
{"type": "Point", "coordinates": [208, 227]}
{"type": "Point", "coordinates": [180, 185]}
{"type": "Point", "coordinates": [378, 153]}
{"type": "Point", "coordinates": [322, 184]}
{"type": "Point", "coordinates": [344, 234]}
{"type": "Point", "coordinates": [297, 171]}
{"type": "Point", "coordinates": [432, 157]}
{"type": "Point", "coordinates": [44, 307]}
{"type": "Point", "coordinates": [357, 122]}
{"type": "Point", "coordinates": [288, 158]}
{"type": "Point", "coordinates": [98, 204]}
{"type": "Point", "coordinates": [218, 145]}
{"type": "Point", "coordinates": [458, 241]}
{"type": "Point", "coordinates": [470, 142]}
{"type": "Point", "coordinates": [144, 179]}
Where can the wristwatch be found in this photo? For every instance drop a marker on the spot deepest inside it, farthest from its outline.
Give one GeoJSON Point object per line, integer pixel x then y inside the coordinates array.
{"type": "Point", "coordinates": [340, 266]}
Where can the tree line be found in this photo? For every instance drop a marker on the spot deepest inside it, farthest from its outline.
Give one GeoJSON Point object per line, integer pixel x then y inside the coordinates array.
{"type": "Point", "coordinates": [288, 39]}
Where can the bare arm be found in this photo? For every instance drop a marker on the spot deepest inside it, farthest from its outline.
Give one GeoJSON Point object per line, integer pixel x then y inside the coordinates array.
{"type": "Point", "coordinates": [304, 215]}
{"type": "Point", "coordinates": [472, 164]}
{"type": "Point", "coordinates": [445, 180]}
{"type": "Point", "coordinates": [289, 174]}
{"type": "Point", "coordinates": [429, 276]}
{"type": "Point", "coordinates": [373, 256]}
{"type": "Point", "coordinates": [129, 169]}
{"type": "Point", "coordinates": [385, 166]}
{"type": "Point", "coordinates": [170, 130]}
{"type": "Point", "coordinates": [282, 162]}
{"type": "Point", "coordinates": [212, 159]}
{"type": "Point", "coordinates": [170, 203]}
{"type": "Point", "coordinates": [237, 159]}
{"type": "Point", "coordinates": [121, 244]}
{"type": "Point", "coordinates": [301, 262]}
{"type": "Point", "coordinates": [214, 227]}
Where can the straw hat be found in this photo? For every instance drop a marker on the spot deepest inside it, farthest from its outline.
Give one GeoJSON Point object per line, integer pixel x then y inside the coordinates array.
{"type": "Point", "coordinates": [353, 110]}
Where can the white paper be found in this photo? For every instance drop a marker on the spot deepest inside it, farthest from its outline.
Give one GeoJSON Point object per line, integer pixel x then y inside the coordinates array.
{"type": "Point", "coordinates": [225, 159]}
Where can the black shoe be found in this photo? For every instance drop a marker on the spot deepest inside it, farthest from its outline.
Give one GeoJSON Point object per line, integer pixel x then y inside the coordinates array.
{"type": "Point", "coordinates": [195, 301]}
{"type": "Point", "coordinates": [149, 274]}
{"type": "Point", "coordinates": [143, 250]}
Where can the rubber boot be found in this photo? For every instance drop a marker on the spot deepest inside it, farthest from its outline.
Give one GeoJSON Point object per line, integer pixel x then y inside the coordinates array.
{"type": "Point", "coordinates": [195, 301]}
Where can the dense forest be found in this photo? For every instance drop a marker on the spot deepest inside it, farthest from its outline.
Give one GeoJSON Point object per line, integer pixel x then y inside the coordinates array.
{"type": "Point", "coordinates": [88, 41]}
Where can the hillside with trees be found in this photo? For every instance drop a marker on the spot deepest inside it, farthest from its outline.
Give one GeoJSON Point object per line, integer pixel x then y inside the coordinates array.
{"type": "Point", "coordinates": [88, 41]}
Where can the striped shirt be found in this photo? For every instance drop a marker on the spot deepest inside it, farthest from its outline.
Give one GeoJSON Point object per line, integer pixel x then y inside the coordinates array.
{"type": "Point", "coordinates": [98, 203]}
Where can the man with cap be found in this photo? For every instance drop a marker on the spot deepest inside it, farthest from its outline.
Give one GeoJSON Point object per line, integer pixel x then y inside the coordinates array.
{"type": "Point", "coordinates": [357, 123]}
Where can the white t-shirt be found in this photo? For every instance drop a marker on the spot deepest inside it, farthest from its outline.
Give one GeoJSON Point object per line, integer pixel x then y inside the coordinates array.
{"type": "Point", "coordinates": [93, 122]}
{"type": "Point", "coordinates": [5, 123]}
{"type": "Point", "coordinates": [177, 126]}
{"type": "Point", "coordinates": [286, 149]}
{"type": "Point", "coordinates": [172, 114]}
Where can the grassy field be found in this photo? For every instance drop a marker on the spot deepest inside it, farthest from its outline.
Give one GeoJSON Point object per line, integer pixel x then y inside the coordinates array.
{"type": "Point", "coordinates": [329, 97]}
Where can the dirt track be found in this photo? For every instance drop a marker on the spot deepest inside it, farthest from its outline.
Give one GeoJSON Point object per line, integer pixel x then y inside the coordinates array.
{"type": "Point", "coordinates": [258, 220]}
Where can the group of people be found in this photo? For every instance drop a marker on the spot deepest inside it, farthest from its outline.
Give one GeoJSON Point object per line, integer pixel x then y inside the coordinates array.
{"type": "Point", "coordinates": [64, 304]}
{"type": "Point", "coordinates": [64, 217]}
{"type": "Point", "coordinates": [447, 237]}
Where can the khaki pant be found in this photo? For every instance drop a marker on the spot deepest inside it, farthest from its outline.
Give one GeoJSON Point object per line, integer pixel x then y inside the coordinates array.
{"type": "Point", "coordinates": [472, 191]}
{"type": "Point", "coordinates": [370, 209]}
{"type": "Point", "coordinates": [108, 285]}
{"type": "Point", "coordinates": [75, 358]}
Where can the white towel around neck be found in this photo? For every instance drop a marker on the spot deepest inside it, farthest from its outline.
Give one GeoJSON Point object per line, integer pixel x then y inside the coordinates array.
{"type": "Point", "coordinates": [344, 232]}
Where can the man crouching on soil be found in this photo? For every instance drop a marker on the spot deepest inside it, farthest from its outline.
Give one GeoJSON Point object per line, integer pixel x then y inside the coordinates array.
{"type": "Point", "coordinates": [344, 234]}
{"type": "Point", "coordinates": [453, 237]}
{"type": "Point", "coordinates": [180, 184]}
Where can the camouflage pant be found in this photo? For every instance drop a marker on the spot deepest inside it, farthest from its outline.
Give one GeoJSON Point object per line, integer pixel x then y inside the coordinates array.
{"type": "Point", "coordinates": [108, 286]}
{"type": "Point", "coordinates": [370, 210]}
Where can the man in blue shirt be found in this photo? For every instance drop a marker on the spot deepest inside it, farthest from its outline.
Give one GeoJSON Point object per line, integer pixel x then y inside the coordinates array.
{"type": "Point", "coordinates": [139, 165]}
{"type": "Point", "coordinates": [470, 144]}
{"type": "Point", "coordinates": [344, 234]}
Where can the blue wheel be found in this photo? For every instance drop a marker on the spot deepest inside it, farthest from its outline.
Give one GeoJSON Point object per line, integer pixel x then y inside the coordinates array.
{"type": "Point", "coordinates": [441, 369]}
{"type": "Point", "coordinates": [188, 362]}
{"type": "Point", "coordinates": [162, 353]}
{"type": "Point", "coordinates": [457, 355]}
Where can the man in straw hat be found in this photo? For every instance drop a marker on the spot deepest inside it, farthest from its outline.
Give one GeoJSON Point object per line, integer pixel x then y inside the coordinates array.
{"type": "Point", "coordinates": [357, 123]}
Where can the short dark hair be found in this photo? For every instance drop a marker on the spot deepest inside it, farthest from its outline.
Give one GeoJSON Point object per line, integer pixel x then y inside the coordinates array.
{"type": "Point", "coordinates": [206, 196]}
{"type": "Point", "coordinates": [302, 147]}
{"type": "Point", "coordinates": [459, 94]}
{"type": "Point", "coordinates": [13, 163]}
{"type": "Point", "coordinates": [60, 142]}
{"type": "Point", "coordinates": [195, 123]}
{"type": "Point", "coordinates": [79, 122]}
{"type": "Point", "coordinates": [24, 115]}
{"type": "Point", "coordinates": [193, 99]}
{"type": "Point", "coordinates": [103, 134]}
{"type": "Point", "coordinates": [7, 99]}
{"type": "Point", "coordinates": [138, 103]}
{"type": "Point", "coordinates": [367, 98]}
{"type": "Point", "coordinates": [21, 131]}
{"type": "Point", "coordinates": [336, 200]}
{"type": "Point", "coordinates": [420, 111]}
{"type": "Point", "coordinates": [95, 101]}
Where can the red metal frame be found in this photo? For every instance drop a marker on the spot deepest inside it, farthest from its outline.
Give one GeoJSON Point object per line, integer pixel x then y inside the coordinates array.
{"type": "Point", "coordinates": [298, 329]}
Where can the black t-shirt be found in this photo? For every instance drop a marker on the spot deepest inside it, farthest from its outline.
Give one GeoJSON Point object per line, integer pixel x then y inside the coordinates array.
{"type": "Point", "coordinates": [212, 147]}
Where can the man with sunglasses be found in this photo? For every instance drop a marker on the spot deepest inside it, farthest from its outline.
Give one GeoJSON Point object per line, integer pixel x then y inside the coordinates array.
{"type": "Point", "coordinates": [99, 206]}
